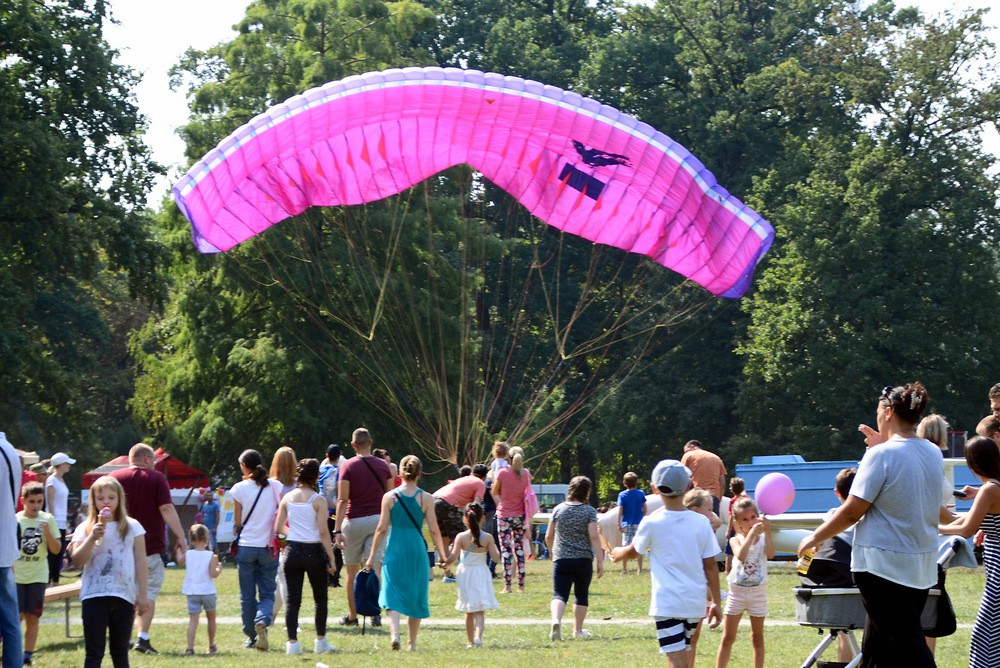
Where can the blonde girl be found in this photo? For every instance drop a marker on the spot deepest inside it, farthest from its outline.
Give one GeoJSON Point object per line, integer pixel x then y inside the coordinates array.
{"type": "Point", "coordinates": [475, 585]}
{"type": "Point", "coordinates": [283, 468]}
{"type": "Point", "coordinates": [508, 492]}
{"type": "Point", "coordinates": [499, 452]}
{"type": "Point", "coordinates": [700, 501]}
{"type": "Point", "coordinates": [110, 549]}
{"type": "Point", "coordinates": [752, 547]}
{"type": "Point", "coordinates": [199, 585]}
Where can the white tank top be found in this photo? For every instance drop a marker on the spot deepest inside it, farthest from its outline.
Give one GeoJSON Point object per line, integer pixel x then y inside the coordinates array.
{"type": "Point", "coordinates": [302, 521]}
{"type": "Point", "coordinates": [197, 579]}
{"type": "Point", "coordinates": [60, 502]}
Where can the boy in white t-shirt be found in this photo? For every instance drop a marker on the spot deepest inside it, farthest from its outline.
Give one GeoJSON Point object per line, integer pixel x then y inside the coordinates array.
{"type": "Point", "coordinates": [682, 549]}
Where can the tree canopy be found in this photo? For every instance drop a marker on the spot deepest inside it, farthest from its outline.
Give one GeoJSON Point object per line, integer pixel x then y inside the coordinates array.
{"type": "Point", "coordinates": [79, 254]}
{"type": "Point", "coordinates": [447, 316]}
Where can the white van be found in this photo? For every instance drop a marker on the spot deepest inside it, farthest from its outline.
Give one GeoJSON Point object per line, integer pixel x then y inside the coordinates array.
{"type": "Point", "coordinates": [549, 496]}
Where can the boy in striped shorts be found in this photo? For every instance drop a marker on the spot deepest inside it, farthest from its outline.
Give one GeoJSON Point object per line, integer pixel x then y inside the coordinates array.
{"type": "Point", "coordinates": [682, 549]}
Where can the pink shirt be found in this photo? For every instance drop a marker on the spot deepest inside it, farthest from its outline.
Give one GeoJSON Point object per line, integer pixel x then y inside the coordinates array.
{"type": "Point", "coordinates": [462, 491]}
{"type": "Point", "coordinates": [511, 502]}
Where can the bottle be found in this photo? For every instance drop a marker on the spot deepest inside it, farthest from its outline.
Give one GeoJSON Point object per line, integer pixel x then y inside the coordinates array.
{"type": "Point", "coordinates": [803, 564]}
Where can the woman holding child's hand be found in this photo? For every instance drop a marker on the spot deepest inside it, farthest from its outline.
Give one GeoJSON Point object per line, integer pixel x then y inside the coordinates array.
{"type": "Point", "coordinates": [896, 502]}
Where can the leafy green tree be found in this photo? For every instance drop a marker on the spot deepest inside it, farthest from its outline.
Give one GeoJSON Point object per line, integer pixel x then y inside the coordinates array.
{"type": "Point", "coordinates": [546, 41]}
{"type": "Point", "coordinates": [77, 247]}
{"type": "Point", "coordinates": [886, 263]}
{"type": "Point", "coordinates": [448, 308]}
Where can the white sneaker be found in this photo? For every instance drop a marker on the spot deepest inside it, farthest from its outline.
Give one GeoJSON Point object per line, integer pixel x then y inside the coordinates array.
{"type": "Point", "coordinates": [293, 647]}
{"type": "Point", "coordinates": [555, 632]}
{"type": "Point", "coordinates": [582, 633]}
{"type": "Point", "coordinates": [322, 646]}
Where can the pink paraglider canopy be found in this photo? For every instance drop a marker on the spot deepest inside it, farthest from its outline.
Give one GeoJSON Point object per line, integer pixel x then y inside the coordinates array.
{"type": "Point", "coordinates": [580, 166]}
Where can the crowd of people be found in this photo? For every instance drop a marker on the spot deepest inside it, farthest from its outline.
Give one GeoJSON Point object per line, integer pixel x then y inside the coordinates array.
{"type": "Point", "coordinates": [302, 519]}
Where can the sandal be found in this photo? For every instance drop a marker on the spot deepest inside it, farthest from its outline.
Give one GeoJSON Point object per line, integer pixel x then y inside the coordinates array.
{"type": "Point", "coordinates": [212, 649]}
{"type": "Point", "coordinates": [189, 651]}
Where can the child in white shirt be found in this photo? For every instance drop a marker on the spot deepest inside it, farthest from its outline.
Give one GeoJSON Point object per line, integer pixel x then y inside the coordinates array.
{"type": "Point", "coordinates": [199, 585]}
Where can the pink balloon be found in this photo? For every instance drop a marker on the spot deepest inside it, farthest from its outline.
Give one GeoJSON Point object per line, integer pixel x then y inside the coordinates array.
{"type": "Point", "coordinates": [775, 493]}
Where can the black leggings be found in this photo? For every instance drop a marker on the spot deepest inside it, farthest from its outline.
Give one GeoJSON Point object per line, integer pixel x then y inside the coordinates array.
{"type": "Point", "coordinates": [893, 634]}
{"type": "Point", "coordinates": [575, 573]}
{"type": "Point", "coordinates": [106, 620]}
{"type": "Point", "coordinates": [302, 559]}
{"type": "Point", "coordinates": [55, 560]}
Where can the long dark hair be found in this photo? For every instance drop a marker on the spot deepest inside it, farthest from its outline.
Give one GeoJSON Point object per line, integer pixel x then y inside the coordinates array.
{"type": "Point", "coordinates": [983, 457]}
{"type": "Point", "coordinates": [253, 461]}
{"type": "Point", "coordinates": [474, 516]}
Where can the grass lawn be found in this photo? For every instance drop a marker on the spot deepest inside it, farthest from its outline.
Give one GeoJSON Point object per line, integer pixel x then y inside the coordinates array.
{"type": "Point", "coordinates": [615, 602]}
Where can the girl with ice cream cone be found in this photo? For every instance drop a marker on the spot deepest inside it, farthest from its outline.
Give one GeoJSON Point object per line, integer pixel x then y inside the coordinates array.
{"type": "Point", "coordinates": [112, 556]}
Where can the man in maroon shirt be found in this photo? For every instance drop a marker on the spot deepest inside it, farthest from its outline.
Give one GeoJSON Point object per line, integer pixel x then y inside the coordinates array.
{"type": "Point", "coordinates": [364, 479]}
{"type": "Point", "coordinates": [147, 499]}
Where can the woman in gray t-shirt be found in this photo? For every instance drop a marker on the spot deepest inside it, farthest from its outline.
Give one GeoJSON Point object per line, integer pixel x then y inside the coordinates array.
{"type": "Point", "coordinates": [895, 501]}
{"type": "Point", "coordinates": [573, 542]}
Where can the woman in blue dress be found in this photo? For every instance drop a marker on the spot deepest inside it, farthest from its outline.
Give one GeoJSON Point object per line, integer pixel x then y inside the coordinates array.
{"type": "Point", "coordinates": [405, 568]}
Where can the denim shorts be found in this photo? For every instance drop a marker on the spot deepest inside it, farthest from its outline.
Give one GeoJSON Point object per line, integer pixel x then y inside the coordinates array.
{"type": "Point", "coordinates": [199, 602]}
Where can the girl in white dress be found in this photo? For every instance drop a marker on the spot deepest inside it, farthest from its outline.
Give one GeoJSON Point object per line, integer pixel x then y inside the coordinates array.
{"type": "Point", "coordinates": [475, 584]}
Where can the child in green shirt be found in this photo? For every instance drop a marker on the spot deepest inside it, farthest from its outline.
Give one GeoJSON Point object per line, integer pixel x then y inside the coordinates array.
{"type": "Point", "coordinates": [38, 536]}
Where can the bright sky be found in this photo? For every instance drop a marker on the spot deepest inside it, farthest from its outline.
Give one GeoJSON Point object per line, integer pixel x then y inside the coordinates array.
{"type": "Point", "coordinates": [152, 36]}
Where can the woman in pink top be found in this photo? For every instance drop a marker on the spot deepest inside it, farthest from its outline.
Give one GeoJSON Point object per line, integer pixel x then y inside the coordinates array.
{"type": "Point", "coordinates": [508, 490]}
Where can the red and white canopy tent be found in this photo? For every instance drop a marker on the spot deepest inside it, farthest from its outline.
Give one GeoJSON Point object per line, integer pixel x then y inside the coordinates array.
{"type": "Point", "coordinates": [179, 474]}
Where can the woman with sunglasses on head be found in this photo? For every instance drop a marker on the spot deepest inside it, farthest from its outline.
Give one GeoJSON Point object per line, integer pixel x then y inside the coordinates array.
{"type": "Point", "coordinates": [896, 502]}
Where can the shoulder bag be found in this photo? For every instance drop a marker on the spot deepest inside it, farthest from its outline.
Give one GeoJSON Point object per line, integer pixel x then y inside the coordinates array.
{"type": "Point", "coordinates": [420, 530]}
{"type": "Point", "coordinates": [235, 545]}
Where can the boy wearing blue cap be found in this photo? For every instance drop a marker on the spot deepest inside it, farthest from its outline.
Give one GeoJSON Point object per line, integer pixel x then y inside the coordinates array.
{"type": "Point", "coordinates": [682, 549]}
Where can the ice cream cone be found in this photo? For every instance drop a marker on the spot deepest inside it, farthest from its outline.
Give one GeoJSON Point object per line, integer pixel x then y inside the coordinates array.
{"type": "Point", "coordinates": [103, 517]}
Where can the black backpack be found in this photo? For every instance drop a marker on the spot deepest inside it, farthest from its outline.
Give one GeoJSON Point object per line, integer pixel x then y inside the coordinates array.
{"type": "Point", "coordinates": [831, 565]}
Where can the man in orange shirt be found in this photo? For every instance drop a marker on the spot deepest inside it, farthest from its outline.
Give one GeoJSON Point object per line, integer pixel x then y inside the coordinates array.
{"type": "Point", "coordinates": [450, 502]}
{"type": "Point", "coordinates": [707, 471]}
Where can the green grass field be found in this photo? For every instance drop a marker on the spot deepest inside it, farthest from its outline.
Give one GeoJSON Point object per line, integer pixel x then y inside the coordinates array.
{"type": "Point", "coordinates": [616, 601]}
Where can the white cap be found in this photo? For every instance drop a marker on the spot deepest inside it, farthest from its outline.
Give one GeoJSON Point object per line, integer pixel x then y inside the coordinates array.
{"type": "Point", "coordinates": [61, 458]}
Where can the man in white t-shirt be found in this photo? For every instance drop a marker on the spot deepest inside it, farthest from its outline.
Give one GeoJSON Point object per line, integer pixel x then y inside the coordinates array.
{"type": "Point", "coordinates": [682, 549]}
